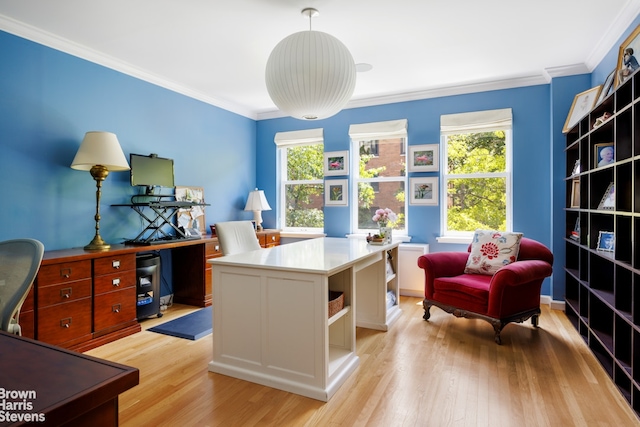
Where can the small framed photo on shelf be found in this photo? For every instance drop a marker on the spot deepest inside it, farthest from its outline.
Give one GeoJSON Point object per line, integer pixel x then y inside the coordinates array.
{"type": "Point", "coordinates": [576, 168]}
{"type": "Point", "coordinates": [627, 61]}
{"type": "Point", "coordinates": [423, 158]}
{"type": "Point", "coordinates": [575, 193]}
{"type": "Point", "coordinates": [603, 154]}
{"type": "Point", "coordinates": [582, 104]}
{"type": "Point", "coordinates": [423, 191]}
{"type": "Point", "coordinates": [606, 241]}
{"type": "Point", "coordinates": [607, 87]}
{"type": "Point", "coordinates": [608, 201]}
{"type": "Point", "coordinates": [336, 192]}
{"type": "Point", "coordinates": [336, 163]}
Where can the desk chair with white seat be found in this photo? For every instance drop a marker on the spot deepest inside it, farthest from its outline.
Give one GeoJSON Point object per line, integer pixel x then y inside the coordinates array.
{"type": "Point", "coordinates": [19, 263]}
{"type": "Point", "coordinates": [236, 237]}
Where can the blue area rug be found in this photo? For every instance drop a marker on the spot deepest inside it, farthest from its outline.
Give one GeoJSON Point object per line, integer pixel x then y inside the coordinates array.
{"type": "Point", "coordinates": [192, 326]}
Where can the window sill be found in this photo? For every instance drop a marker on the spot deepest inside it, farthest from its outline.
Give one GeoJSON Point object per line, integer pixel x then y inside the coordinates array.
{"type": "Point", "coordinates": [461, 240]}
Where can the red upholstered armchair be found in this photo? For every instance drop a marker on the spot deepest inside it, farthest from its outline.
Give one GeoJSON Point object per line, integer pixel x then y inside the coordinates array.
{"type": "Point", "coordinates": [512, 294]}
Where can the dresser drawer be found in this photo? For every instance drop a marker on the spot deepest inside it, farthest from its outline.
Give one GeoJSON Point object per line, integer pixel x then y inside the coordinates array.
{"type": "Point", "coordinates": [272, 239]}
{"type": "Point", "coordinates": [212, 250]}
{"type": "Point", "coordinates": [63, 322]}
{"type": "Point", "coordinates": [63, 292]}
{"type": "Point", "coordinates": [114, 308]}
{"type": "Point", "coordinates": [114, 282]}
{"type": "Point", "coordinates": [64, 272]}
{"type": "Point", "coordinates": [113, 264]}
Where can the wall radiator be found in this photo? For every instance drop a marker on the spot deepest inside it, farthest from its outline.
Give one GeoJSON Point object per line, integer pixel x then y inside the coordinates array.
{"type": "Point", "coordinates": [411, 276]}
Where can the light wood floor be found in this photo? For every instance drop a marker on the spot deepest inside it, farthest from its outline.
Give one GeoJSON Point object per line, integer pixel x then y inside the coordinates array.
{"type": "Point", "coordinates": [445, 372]}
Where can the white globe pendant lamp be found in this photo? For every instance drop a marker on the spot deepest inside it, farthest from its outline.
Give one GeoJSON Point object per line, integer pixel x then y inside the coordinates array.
{"type": "Point", "coordinates": [310, 75]}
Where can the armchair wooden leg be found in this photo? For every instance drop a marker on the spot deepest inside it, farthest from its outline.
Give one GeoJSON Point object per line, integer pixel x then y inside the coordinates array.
{"type": "Point", "coordinates": [497, 328]}
{"type": "Point", "coordinates": [534, 320]}
{"type": "Point", "coordinates": [426, 306]}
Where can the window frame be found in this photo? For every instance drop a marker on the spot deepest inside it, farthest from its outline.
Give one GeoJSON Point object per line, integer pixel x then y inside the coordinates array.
{"type": "Point", "coordinates": [445, 177]}
{"type": "Point", "coordinates": [284, 141]}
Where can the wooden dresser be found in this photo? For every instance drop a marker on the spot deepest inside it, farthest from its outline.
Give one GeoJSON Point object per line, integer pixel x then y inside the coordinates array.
{"type": "Point", "coordinates": [83, 299]}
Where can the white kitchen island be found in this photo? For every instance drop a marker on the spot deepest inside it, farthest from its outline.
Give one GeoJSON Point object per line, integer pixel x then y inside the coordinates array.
{"type": "Point", "coordinates": [270, 311]}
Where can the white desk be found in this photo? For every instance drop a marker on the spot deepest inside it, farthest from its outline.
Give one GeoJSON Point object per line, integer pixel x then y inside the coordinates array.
{"type": "Point", "coordinates": [270, 312]}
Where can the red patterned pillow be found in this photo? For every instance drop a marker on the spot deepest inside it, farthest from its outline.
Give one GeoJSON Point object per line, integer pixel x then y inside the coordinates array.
{"type": "Point", "coordinates": [491, 250]}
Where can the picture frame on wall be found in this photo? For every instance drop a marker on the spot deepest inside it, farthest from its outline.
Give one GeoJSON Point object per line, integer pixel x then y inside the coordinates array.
{"type": "Point", "coordinates": [627, 57]}
{"type": "Point", "coordinates": [336, 163]}
{"type": "Point", "coordinates": [608, 201]}
{"type": "Point", "coordinates": [423, 191]}
{"type": "Point", "coordinates": [582, 104]}
{"type": "Point", "coordinates": [424, 158]}
{"type": "Point", "coordinates": [603, 154]}
{"type": "Point", "coordinates": [336, 192]}
{"type": "Point", "coordinates": [606, 241]}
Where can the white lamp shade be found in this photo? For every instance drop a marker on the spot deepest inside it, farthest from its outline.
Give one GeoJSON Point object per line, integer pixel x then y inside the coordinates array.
{"type": "Point", "coordinates": [100, 148]}
{"type": "Point", "coordinates": [257, 201]}
{"type": "Point", "coordinates": [310, 75]}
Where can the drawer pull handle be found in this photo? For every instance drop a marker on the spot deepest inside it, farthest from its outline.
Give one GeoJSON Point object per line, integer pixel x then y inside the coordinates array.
{"type": "Point", "coordinates": [116, 282]}
{"type": "Point", "coordinates": [66, 322]}
{"type": "Point", "coordinates": [66, 292]}
{"type": "Point", "coordinates": [217, 248]}
{"type": "Point", "coordinates": [116, 308]}
{"type": "Point", "coordinates": [65, 272]}
{"type": "Point", "coordinates": [273, 238]}
{"type": "Point", "coordinates": [115, 264]}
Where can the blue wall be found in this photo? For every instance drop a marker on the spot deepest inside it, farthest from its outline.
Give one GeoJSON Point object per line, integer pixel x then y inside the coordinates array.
{"type": "Point", "coordinates": [50, 99]}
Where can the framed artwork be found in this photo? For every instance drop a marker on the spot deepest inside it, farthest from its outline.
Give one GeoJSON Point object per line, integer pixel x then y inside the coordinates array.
{"type": "Point", "coordinates": [607, 87]}
{"type": "Point", "coordinates": [582, 104]}
{"type": "Point", "coordinates": [606, 241]}
{"type": "Point", "coordinates": [424, 191]}
{"type": "Point", "coordinates": [336, 163]}
{"type": "Point", "coordinates": [627, 62]}
{"type": "Point", "coordinates": [423, 158]}
{"type": "Point", "coordinates": [603, 154]}
{"type": "Point", "coordinates": [194, 216]}
{"type": "Point", "coordinates": [576, 168]}
{"type": "Point", "coordinates": [608, 201]}
{"type": "Point", "coordinates": [575, 193]}
{"type": "Point", "coordinates": [336, 192]}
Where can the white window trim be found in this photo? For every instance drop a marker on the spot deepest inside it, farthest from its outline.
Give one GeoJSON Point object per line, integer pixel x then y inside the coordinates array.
{"type": "Point", "coordinates": [375, 131]}
{"type": "Point", "coordinates": [284, 140]}
{"type": "Point", "coordinates": [475, 122]}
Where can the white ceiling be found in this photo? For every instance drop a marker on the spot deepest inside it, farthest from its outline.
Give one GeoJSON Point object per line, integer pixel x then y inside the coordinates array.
{"type": "Point", "coordinates": [216, 50]}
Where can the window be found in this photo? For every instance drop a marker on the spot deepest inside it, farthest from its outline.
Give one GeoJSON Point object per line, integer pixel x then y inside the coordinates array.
{"type": "Point", "coordinates": [301, 188]}
{"type": "Point", "coordinates": [379, 173]}
{"type": "Point", "coordinates": [477, 175]}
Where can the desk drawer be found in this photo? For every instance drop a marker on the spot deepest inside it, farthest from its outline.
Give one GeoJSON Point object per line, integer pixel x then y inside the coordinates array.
{"type": "Point", "coordinates": [63, 292]}
{"type": "Point", "coordinates": [114, 264]}
{"type": "Point", "coordinates": [114, 282]}
{"type": "Point", "coordinates": [64, 272]}
{"type": "Point", "coordinates": [114, 308]}
{"type": "Point", "coordinates": [63, 322]}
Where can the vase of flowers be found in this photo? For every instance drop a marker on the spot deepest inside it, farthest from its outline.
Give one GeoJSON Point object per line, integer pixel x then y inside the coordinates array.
{"type": "Point", "coordinates": [386, 219]}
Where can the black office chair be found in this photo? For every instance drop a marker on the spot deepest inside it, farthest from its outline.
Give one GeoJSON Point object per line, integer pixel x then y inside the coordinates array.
{"type": "Point", "coordinates": [19, 263]}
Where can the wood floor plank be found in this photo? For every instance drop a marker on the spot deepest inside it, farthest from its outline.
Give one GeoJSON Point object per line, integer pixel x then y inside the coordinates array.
{"type": "Point", "coordinates": [444, 372]}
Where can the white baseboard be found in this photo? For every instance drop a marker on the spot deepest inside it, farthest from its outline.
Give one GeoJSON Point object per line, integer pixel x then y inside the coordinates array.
{"type": "Point", "coordinates": [553, 304]}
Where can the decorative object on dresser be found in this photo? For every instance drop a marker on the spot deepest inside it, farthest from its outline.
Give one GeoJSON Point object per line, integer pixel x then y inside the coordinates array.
{"type": "Point", "coordinates": [99, 153]}
{"type": "Point", "coordinates": [19, 263]}
{"type": "Point", "coordinates": [511, 294]}
{"type": "Point", "coordinates": [257, 202]}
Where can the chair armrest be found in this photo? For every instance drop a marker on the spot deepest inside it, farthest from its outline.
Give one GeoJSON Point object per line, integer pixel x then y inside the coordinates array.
{"type": "Point", "coordinates": [515, 288]}
{"type": "Point", "coordinates": [441, 264]}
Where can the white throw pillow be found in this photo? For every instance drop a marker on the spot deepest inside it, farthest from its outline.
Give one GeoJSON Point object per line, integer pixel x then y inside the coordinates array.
{"type": "Point", "coordinates": [491, 250]}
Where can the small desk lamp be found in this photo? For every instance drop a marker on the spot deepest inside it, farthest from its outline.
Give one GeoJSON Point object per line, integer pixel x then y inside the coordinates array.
{"type": "Point", "coordinates": [257, 203]}
{"type": "Point", "coordinates": [99, 153]}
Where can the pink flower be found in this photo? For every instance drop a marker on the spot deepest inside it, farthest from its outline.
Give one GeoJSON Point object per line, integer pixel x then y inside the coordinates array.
{"type": "Point", "coordinates": [490, 250]}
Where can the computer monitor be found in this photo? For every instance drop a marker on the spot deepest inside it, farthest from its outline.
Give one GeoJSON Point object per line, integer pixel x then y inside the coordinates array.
{"type": "Point", "coordinates": [151, 171]}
